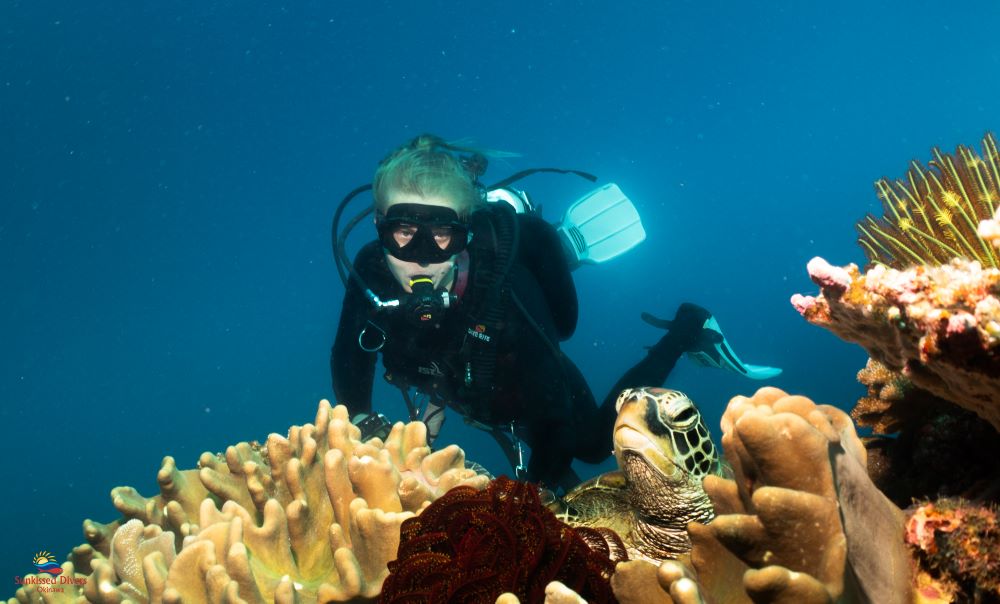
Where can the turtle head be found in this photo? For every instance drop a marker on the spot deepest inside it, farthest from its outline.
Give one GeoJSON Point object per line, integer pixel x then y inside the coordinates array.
{"type": "Point", "coordinates": [662, 430]}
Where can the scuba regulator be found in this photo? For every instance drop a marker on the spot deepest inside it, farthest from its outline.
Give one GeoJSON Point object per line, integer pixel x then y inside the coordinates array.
{"type": "Point", "coordinates": [424, 305]}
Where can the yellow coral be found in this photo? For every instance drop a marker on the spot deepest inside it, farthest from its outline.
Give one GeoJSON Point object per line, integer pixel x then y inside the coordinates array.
{"type": "Point", "coordinates": [932, 217]}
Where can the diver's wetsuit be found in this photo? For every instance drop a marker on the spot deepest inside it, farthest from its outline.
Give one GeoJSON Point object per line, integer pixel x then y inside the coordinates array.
{"type": "Point", "coordinates": [535, 385]}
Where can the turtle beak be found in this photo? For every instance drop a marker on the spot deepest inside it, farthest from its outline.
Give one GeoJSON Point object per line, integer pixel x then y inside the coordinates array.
{"type": "Point", "coordinates": [627, 437]}
{"type": "Point", "coordinates": [629, 440]}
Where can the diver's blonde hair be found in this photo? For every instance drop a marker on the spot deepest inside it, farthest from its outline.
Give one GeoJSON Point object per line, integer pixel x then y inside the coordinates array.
{"type": "Point", "coordinates": [430, 167]}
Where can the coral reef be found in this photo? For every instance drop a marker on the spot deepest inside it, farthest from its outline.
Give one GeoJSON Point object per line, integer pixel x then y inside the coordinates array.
{"type": "Point", "coordinates": [320, 516]}
{"type": "Point", "coordinates": [800, 523]}
{"type": "Point", "coordinates": [957, 547]}
{"type": "Point", "coordinates": [923, 446]}
{"type": "Point", "coordinates": [473, 546]}
{"type": "Point", "coordinates": [311, 517]}
{"type": "Point", "coordinates": [893, 403]}
{"type": "Point", "coordinates": [939, 326]}
{"type": "Point", "coordinates": [932, 217]}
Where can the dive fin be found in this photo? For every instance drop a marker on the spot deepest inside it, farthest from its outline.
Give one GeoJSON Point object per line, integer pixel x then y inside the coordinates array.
{"type": "Point", "coordinates": [601, 225]}
{"type": "Point", "coordinates": [713, 350]}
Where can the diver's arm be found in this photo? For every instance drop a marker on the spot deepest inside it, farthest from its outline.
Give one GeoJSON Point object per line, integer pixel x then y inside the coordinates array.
{"type": "Point", "coordinates": [542, 253]}
{"type": "Point", "coordinates": [685, 331]}
{"type": "Point", "coordinates": [351, 367]}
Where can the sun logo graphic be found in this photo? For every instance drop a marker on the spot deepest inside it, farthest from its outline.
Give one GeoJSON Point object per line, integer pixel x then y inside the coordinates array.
{"type": "Point", "coordinates": [46, 563]}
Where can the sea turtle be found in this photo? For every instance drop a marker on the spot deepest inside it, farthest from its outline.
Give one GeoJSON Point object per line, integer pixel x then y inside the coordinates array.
{"type": "Point", "coordinates": [664, 451]}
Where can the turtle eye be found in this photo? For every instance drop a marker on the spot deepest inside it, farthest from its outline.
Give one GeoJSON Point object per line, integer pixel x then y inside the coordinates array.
{"type": "Point", "coordinates": [682, 415]}
{"type": "Point", "coordinates": [685, 416]}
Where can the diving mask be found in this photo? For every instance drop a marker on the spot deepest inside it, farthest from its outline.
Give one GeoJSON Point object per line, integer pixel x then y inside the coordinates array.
{"type": "Point", "coordinates": [425, 234]}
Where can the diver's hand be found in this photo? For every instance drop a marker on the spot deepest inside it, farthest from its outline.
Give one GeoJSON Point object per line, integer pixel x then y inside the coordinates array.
{"type": "Point", "coordinates": [686, 328]}
{"type": "Point", "coordinates": [687, 325]}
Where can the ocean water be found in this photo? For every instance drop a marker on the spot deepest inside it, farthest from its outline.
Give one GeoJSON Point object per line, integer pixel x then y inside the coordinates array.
{"type": "Point", "coordinates": [168, 173]}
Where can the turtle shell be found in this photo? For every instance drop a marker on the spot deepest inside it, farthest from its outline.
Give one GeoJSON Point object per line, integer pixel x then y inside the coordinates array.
{"type": "Point", "coordinates": [601, 501]}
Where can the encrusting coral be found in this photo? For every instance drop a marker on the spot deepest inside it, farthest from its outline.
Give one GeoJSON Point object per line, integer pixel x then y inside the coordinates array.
{"type": "Point", "coordinates": [939, 325]}
{"type": "Point", "coordinates": [893, 403]}
{"type": "Point", "coordinates": [311, 517]}
{"type": "Point", "coordinates": [957, 547]}
{"type": "Point", "coordinates": [932, 216]}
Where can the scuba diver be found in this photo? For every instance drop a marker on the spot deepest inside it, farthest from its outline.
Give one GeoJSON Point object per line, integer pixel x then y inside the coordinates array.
{"type": "Point", "coordinates": [467, 293]}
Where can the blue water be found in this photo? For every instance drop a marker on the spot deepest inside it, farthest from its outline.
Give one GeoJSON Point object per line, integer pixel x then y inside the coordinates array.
{"type": "Point", "coordinates": [169, 175]}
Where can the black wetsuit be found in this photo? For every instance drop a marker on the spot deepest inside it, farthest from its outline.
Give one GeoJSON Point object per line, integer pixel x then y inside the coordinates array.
{"type": "Point", "coordinates": [534, 385]}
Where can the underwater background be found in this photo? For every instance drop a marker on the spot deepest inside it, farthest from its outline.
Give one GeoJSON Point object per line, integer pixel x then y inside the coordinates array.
{"type": "Point", "coordinates": [169, 174]}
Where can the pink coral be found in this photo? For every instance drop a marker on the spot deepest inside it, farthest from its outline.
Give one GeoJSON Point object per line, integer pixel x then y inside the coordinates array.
{"type": "Point", "coordinates": [926, 521]}
{"type": "Point", "coordinates": [938, 325]}
{"type": "Point", "coordinates": [828, 276]}
{"type": "Point", "coordinates": [803, 303]}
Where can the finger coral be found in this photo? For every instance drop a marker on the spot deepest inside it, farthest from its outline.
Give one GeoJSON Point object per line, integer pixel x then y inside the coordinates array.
{"type": "Point", "coordinates": [933, 215]}
{"type": "Point", "coordinates": [801, 521]}
{"type": "Point", "coordinates": [938, 325]}
{"type": "Point", "coordinates": [311, 517]}
{"type": "Point", "coordinates": [472, 546]}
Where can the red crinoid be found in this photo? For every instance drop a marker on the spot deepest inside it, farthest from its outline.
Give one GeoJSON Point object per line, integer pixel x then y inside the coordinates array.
{"type": "Point", "coordinates": [471, 546]}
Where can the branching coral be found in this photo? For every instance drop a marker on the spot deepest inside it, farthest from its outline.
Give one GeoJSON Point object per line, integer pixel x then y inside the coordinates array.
{"type": "Point", "coordinates": [471, 546]}
{"type": "Point", "coordinates": [932, 217]}
{"type": "Point", "coordinates": [893, 402]}
{"type": "Point", "coordinates": [311, 517]}
{"type": "Point", "coordinates": [923, 446]}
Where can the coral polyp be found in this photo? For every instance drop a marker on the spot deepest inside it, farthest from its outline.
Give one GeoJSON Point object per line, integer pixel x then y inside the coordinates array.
{"type": "Point", "coordinates": [932, 216]}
